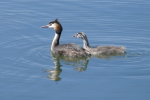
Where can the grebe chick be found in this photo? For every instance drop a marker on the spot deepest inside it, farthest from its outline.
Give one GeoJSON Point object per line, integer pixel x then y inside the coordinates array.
{"type": "Point", "coordinates": [100, 49]}
{"type": "Point", "coordinates": [70, 49]}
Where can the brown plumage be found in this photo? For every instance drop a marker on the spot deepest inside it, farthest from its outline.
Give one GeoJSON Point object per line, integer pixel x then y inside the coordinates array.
{"type": "Point", "coordinates": [70, 49]}
{"type": "Point", "coordinates": [100, 49]}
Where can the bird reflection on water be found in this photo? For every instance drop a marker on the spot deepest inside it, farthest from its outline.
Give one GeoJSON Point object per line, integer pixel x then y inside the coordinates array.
{"type": "Point", "coordinates": [79, 64]}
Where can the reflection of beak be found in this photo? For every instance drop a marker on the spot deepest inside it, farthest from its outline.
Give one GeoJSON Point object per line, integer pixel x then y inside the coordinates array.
{"type": "Point", "coordinates": [46, 26]}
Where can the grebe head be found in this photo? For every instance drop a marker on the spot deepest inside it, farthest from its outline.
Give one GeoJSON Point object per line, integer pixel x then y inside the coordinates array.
{"type": "Point", "coordinates": [80, 35]}
{"type": "Point", "coordinates": [55, 25]}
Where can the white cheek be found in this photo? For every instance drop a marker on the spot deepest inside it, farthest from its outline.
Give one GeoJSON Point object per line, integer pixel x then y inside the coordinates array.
{"type": "Point", "coordinates": [79, 37]}
{"type": "Point", "coordinates": [52, 26]}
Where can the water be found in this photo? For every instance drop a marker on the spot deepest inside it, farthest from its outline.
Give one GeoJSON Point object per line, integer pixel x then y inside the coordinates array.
{"type": "Point", "coordinates": [29, 71]}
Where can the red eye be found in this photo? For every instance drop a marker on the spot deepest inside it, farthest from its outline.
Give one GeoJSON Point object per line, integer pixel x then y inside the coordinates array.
{"type": "Point", "coordinates": [50, 24]}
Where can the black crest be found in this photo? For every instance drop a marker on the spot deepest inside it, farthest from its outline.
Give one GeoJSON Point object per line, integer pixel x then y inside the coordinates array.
{"type": "Point", "coordinates": [55, 21]}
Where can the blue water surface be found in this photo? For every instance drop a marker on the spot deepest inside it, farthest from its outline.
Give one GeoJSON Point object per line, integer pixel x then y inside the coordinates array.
{"type": "Point", "coordinates": [28, 70]}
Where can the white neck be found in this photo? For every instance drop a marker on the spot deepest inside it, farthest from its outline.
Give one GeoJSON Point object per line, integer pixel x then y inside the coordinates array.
{"type": "Point", "coordinates": [55, 41]}
{"type": "Point", "coordinates": [86, 44]}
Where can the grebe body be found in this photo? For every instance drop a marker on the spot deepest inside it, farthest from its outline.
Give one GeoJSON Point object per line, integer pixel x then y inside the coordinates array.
{"type": "Point", "coordinates": [100, 49]}
{"type": "Point", "coordinates": [70, 49]}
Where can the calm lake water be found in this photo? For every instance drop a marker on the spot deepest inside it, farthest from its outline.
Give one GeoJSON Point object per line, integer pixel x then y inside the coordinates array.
{"type": "Point", "coordinates": [28, 71]}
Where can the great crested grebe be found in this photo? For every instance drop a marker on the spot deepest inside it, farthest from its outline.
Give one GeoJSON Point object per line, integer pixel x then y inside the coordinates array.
{"type": "Point", "coordinates": [100, 49]}
{"type": "Point", "coordinates": [70, 49]}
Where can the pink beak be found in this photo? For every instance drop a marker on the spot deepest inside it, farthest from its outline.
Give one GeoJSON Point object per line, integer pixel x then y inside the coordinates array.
{"type": "Point", "coordinates": [74, 35]}
{"type": "Point", "coordinates": [46, 26]}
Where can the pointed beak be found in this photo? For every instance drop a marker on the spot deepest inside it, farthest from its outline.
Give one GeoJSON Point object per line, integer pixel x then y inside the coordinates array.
{"type": "Point", "coordinates": [74, 35]}
{"type": "Point", "coordinates": [46, 26]}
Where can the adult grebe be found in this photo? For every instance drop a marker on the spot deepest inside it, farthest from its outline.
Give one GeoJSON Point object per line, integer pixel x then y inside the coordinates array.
{"type": "Point", "coordinates": [100, 49]}
{"type": "Point", "coordinates": [70, 49]}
